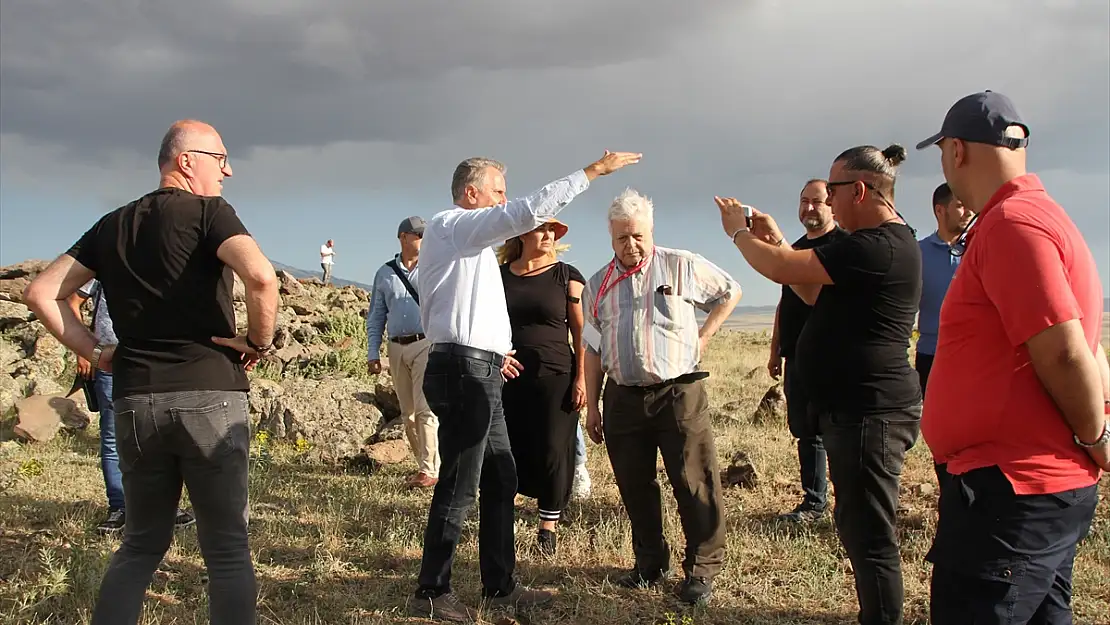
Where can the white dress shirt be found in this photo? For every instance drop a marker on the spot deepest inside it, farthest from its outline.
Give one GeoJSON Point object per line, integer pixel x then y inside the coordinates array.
{"type": "Point", "coordinates": [462, 299]}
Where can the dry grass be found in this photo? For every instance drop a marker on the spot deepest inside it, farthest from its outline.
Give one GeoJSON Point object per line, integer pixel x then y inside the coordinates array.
{"type": "Point", "coordinates": [331, 547]}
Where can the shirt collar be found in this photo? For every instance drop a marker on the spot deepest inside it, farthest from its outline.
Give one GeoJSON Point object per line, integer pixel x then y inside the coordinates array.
{"type": "Point", "coordinates": [621, 268]}
{"type": "Point", "coordinates": [1021, 184]}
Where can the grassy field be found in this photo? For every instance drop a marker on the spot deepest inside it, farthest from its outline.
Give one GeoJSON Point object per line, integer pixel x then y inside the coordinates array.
{"type": "Point", "coordinates": [333, 547]}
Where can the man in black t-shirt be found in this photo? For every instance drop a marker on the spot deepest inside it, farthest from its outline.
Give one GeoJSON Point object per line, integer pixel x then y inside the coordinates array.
{"type": "Point", "coordinates": [790, 317]}
{"type": "Point", "coordinates": [164, 262]}
{"type": "Point", "coordinates": [853, 355]}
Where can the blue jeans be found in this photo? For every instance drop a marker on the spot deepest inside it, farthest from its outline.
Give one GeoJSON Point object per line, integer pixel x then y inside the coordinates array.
{"type": "Point", "coordinates": [109, 456]}
{"type": "Point", "coordinates": [464, 391]}
{"type": "Point", "coordinates": [804, 426]}
{"type": "Point", "coordinates": [579, 447]}
{"type": "Point", "coordinates": [200, 439]}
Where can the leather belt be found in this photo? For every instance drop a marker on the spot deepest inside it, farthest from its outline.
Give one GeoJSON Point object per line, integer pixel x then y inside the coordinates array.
{"type": "Point", "coordinates": [407, 339]}
{"type": "Point", "coordinates": [686, 378]}
{"type": "Point", "coordinates": [454, 349]}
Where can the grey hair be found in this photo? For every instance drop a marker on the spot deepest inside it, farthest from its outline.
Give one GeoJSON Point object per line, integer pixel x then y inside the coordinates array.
{"type": "Point", "coordinates": [472, 171]}
{"type": "Point", "coordinates": [173, 143]}
{"type": "Point", "coordinates": [869, 159]}
{"type": "Point", "coordinates": [629, 205]}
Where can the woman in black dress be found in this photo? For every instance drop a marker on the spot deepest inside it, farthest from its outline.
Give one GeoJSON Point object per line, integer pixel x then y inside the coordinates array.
{"type": "Point", "coordinates": [542, 404]}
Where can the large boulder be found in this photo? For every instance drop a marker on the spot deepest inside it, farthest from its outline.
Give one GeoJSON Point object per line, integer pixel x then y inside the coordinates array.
{"type": "Point", "coordinates": [41, 416]}
{"type": "Point", "coordinates": [15, 278]}
{"type": "Point", "coordinates": [334, 415]}
{"type": "Point", "coordinates": [13, 314]}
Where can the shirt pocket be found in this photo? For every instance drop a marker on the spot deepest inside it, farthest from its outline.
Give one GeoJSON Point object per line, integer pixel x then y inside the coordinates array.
{"type": "Point", "coordinates": [673, 312]}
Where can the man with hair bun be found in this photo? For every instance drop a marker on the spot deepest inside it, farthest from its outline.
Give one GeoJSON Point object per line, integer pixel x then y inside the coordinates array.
{"type": "Point", "coordinates": [852, 354]}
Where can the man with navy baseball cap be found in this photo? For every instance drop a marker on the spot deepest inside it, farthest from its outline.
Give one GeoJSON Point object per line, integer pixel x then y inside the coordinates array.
{"type": "Point", "coordinates": [982, 117]}
{"type": "Point", "coordinates": [1018, 396]}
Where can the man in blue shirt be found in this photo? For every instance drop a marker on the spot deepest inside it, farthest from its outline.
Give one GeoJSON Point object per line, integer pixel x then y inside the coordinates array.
{"type": "Point", "coordinates": [395, 309]}
{"type": "Point", "coordinates": [102, 386]}
{"type": "Point", "coordinates": [938, 266]}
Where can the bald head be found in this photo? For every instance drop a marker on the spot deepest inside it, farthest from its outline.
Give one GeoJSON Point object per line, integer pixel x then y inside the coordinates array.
{"type": "Point", "coordinates": [181, 135]}
{"type": "Point", "coordinates": [193, 157]}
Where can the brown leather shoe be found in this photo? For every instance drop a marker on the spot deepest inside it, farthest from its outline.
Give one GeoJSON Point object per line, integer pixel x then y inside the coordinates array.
{"type": "Point", "coordinates": [443, 608]}
{"type": "Point", "coordinates": [422, 480]}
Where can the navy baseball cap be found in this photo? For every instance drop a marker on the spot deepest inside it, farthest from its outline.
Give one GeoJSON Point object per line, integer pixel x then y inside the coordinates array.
{"type": "Point", "coordinates": [981, 118]}
{"type": "Point", "coordinates": [411, 225]}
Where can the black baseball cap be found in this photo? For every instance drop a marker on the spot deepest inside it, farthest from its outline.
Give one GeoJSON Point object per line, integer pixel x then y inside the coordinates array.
{"type": "Point", "coordinates": [411, 225]}
{"type": "Point", "coordinates": [981, 118]}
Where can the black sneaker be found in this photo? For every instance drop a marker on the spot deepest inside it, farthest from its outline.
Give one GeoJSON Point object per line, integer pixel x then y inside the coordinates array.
{"type": "Point", "coordinates": [546, 542]}
{"type": "Point", "coordinates": [802, 515]}
{"type": "Point", "coordinates": [183, 519]}
{"type": "Point", "coordinates": [113, 523]}
{"type": "Point", "coordinates": [445, 607]}
{"type": "Point", "coordinates": [695, 590]}
{"type": "Point", "coordinates": [637, 579]}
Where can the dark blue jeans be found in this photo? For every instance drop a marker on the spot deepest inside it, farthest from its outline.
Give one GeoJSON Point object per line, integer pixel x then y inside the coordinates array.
{"type": "Point", "coordinates": [1000, 558]}
{"type": "Point", "coordinates": [866, 455]}
{"type": "Point", "coordinates": [109, 457]}
{"type": "Point", "coordinates": [465, 393]}
{"type": "Point", "coordinates": [201, 439]}
{"type": "Point", "coordinates": [803, 424]}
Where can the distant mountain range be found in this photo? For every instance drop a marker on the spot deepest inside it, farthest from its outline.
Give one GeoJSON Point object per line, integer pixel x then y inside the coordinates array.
{"type": "Point", "coordinates": [297, 272]}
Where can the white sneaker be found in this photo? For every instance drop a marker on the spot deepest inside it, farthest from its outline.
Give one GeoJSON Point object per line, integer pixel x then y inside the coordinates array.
{"type": "Point", "coordinates": [580, 487]}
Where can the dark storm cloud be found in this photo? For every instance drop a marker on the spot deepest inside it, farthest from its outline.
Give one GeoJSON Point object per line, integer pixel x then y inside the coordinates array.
{"type": "Point", "coordinates": [109, 74]}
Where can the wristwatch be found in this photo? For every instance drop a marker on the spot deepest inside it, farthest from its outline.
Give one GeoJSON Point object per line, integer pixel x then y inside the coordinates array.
{"type": "Point", "coordinates": [257, 348]}
{"type": "Point", "coordinates": [1103, 438]}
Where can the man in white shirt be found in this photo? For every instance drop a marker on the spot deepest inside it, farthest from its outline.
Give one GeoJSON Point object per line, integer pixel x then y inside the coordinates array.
{"type": "Point", "coordinates": [464, 316]}
{"type": "Point", "coordinates": [327, 259]}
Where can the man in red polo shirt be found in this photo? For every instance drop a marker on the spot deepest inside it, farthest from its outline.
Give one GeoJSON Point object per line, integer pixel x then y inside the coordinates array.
{"type": "Point", "coordinates": [1016, 407]}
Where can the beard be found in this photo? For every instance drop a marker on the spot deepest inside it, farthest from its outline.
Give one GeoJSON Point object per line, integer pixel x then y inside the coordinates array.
{"type": "Point", "coordinates": [813, 222]}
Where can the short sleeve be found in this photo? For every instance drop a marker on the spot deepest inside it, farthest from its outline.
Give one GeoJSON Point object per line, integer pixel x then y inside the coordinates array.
{"type": "Point", "coordinates": [858, 260]}
{"type": "Point", "coordinates": [1021, 266]}
{"type": "Point", "coordinates": [706, 282]}
{"type": "Point", "coordinates": [223, 224]}
{"type": "Point", "coordinates": [573, 275]}
{"type": "Point", "coordinates": [86, 249]}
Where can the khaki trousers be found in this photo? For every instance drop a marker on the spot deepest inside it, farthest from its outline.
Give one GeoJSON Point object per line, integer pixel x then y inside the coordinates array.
{"type": "Point", "coordinates": [406, 365]}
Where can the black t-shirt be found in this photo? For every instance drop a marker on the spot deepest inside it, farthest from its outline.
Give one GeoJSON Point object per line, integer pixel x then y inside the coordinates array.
{"type": "Point", "coordinates": [852, 354]}
{"type": "Point", "coordinates": [537, 306]}
{"type": "Point", "coordinates": [792, 310]}
{"type": "Point", "coordinates": [167, 292]}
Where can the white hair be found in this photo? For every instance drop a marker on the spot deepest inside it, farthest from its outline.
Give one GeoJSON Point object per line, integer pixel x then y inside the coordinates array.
{"type": "Point", "coordinates": [631, 205]}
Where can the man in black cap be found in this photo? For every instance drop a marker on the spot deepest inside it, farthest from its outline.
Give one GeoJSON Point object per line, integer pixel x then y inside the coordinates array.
{"type": "Point", "coordinates": [1016, 409]}
{"type": "Point", "coordinates": [395, 309]}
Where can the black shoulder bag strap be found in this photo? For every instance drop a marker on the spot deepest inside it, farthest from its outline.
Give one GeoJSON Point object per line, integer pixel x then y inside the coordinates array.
{"type": "Point", "coordinates": [408, 285]}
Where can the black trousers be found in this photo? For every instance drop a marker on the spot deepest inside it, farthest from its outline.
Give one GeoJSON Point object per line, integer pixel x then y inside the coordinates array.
{"type": "Point", "coordinates": [866, 455]}
{"type": "Point", "coordinates": [1000, 558]}
{"type": "Point", "coordinates": [465, 393]}
{"type": "Point", "coordinates": [804, 426]}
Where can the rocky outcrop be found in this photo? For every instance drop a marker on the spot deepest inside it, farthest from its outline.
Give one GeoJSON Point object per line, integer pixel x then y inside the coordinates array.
{"type": "Point", "coordinates": [336, 416]}
{"type": "Point", "coordinates": [313, 388]}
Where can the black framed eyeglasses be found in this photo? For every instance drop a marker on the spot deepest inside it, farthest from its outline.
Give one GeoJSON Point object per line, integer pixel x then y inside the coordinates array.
{"type": "Point", "coordinates": [873, 189]}
{"type": "Point", "coordinates": [959, 246]}
{"type": "Point", "coordinates": [221, 159]}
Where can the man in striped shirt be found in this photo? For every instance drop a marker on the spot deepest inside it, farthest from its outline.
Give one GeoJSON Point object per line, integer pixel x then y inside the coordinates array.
{"type": "Point", "coordinates": [643, 334]}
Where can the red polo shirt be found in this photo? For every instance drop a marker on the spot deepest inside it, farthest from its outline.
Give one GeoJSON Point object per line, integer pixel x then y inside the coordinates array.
{"type": "Point", "coordinates": [1026, 269]}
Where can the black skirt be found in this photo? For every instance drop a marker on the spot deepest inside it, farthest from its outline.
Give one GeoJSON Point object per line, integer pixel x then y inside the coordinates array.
{"type": "Point", "coordinates": [542, 428]}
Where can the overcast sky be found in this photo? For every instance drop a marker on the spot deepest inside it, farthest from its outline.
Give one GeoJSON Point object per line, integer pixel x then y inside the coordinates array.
{"type": "Point", "coordinates": [343, 117]}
